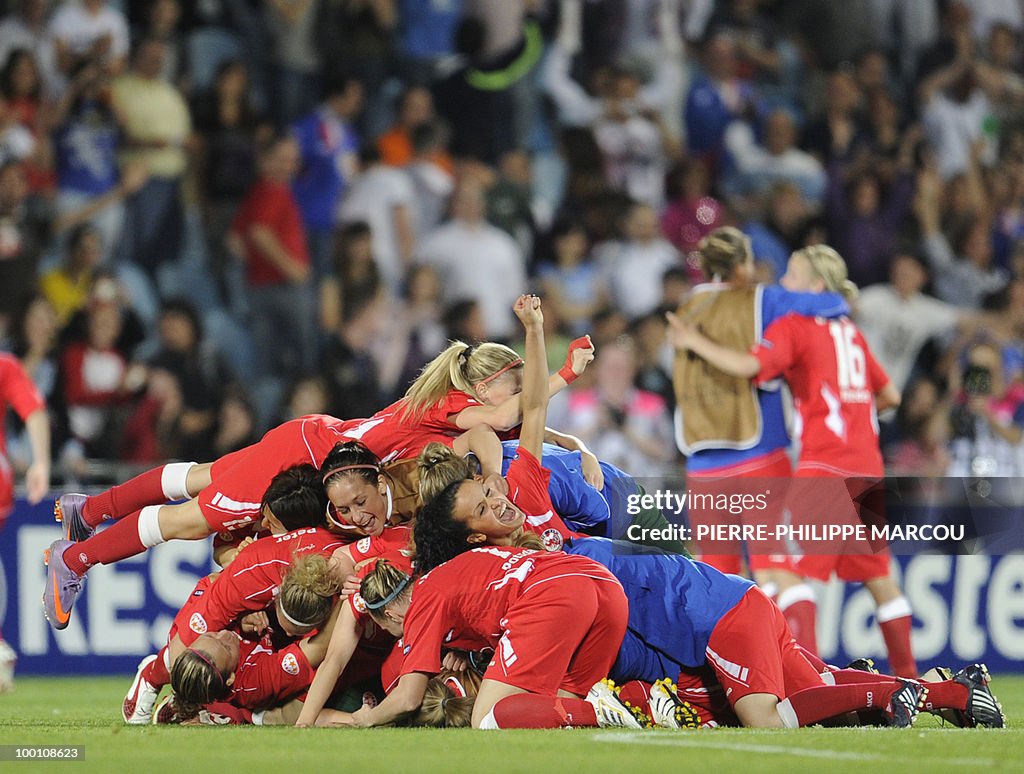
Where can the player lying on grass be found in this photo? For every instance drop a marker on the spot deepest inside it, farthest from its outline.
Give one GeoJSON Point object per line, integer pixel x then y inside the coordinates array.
{"type": "Point", "coordinates": [837, 386]}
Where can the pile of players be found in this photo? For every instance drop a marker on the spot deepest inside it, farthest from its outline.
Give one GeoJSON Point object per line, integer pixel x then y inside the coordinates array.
{"type": "Point", "coordinates": [412, 567]}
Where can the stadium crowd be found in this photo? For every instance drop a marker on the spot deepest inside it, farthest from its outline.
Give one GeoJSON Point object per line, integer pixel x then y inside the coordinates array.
{"type": "Point", "coordinates": [218, 216]}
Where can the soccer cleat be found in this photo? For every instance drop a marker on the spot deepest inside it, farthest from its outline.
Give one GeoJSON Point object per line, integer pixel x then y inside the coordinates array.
{"type": "Point", "coordinates": [905, 703]}
{"type": "Point", "coordinates": [668, 710]}
{"type": "Point", "coordinates": [62, 585]}
{"type": "Point", "coordinates": [983, 709]}
{"type": "Point", "coordinates": [166, 712]}
{"type": "Point", "coordinates": [954, 717]}
{"type": "Point", "coordinates": [68, 511]}
{"type": "Point", "coordinates": [137, 708]}
{"type": "Point", "coordinates": [610, 710]}
{"type": "Point", "coordinates": [863, 665]}
{"type": "Point", "coordinates": [8, 658]}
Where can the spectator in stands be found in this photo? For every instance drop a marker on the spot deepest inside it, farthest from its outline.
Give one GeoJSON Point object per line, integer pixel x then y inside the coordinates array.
{"type": "Point", "coordinates": [653, 356]}
{"type": "Point", "coordinates": [295, 57]}
{"type": "Point", "coordinates": [267, 233]}
{"type": "Point", "coordinates": [431, 176]}
{"type": "Point", "coordinates": [464, 321]}
{"type": "Point", "coordinates": [627, 427]}
{"type": "Point", "coordinates": [427, 36]}
{"type": "Point", "coordinates": [355, 275]}
{"type": "Point", "coordinates": [922, 447]}
{"type": "Point", "coordinates": [476, 260]}
{"type": "Point", "coordinates": [67, 287]}
{"type": "Point", "coordinates": [162, 23]}
{"type": "Point", "coordinates": [717, 97]}
{"type": "Point", "coordinates": [384, 197]}
{"type": "Point", "coordinates": [412, 335]}
{"type": "Point", "coordinates": [898, 319]}
{"type": "Point", "coordinates": [415, 108]}
{"type": "Point", "coordinates": [89, 30]}
{"type": "Point", "coordinates": [634, 266]}
{"type": "Point", "coordinates": [236, 426]}
{"type": "Point", "coordinates": [782, 229]}
{"type": "Point", "coordinates": [308, 395]}
{"type": "Point", "coordinates": [25, 26]}
{"type": "Point", "coordinates": [755, 167]}
{"type": "Point", "coordinates": [964, 273]}
{"type": "Point", "coordinates": [156, 124]}
{"type": "Point", "coordinates": [22, 238]}
{"type": "Point", "coordinates": [22, 88]}
{"type": "Point", "coordinates": [197, 367]}
{"type": "Point", "coordinates": [229, 129]}
{"type": "Point", "coordinates": [865, 216]}
{"type": "Point", "coordinates": [34, 344]}
{"type": "Point", "coordinates": [329, 151]}
{"type": "Point", "coordinates": [348, 363]}
{"type": "Point", "coordinates": [839, 132]}
{"type": "Point", "coordinates": [692, 212]}
{"type": "Point", "coordinates": [152, 429]}
{"type": "Point", "coordinates": [571, 281]}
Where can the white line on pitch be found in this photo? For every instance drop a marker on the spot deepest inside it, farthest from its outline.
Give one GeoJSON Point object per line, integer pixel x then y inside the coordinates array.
{"type": "Point", "coordinates": [711, 744]}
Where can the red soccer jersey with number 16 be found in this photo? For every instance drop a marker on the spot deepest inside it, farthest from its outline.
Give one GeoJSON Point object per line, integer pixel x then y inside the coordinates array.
{"type": "Point", "coordinates": [834, 379]}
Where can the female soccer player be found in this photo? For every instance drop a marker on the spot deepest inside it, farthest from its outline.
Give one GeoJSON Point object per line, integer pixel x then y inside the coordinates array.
{"type": "Point", "coordinates": [837, 387]}
{"type": "Point", "coordinates": [728, 429]}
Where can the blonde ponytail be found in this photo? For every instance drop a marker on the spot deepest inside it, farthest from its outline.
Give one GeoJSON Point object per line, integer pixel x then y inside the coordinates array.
{"type": "Point", "coordinates": [439, 466]}
{"type": "Point", "coordinates": [828, 266]}
{"type": "Point", "coordinates": [459, 367]}
{"type": "Point", "coordinates": [723, 251]}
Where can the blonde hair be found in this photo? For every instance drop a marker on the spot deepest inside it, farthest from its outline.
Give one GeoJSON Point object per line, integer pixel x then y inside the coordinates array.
{"type": "Point", "coordinates": [460, 367]}
{"type": "Point", "coordinates": [196, 682]}
{"type": "Point", "coordinates": [442, 707]}
{"type": "Point", "coordinates": [440, 466]}
{"type": "Point", "coordinates": [828, 266]}
{"type": "Point", "coordinates": [382, 582]}
{"type": "Point", "coordinates": [308, 590]}
{"type": "Point", "coordinates": [527, 539]}
{"type": "Point", "coordinates": [722, 251]}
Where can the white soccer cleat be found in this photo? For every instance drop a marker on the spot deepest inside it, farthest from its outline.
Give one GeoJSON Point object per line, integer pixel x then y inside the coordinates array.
{"type": "Point", "coordinates": [610, 709]}
{"type": "Point", "coordinates": [8, 658]}
{"type": "Point", "coordinates": [668, 710]}
{"type": "Point", "coordinates": [137, 708]}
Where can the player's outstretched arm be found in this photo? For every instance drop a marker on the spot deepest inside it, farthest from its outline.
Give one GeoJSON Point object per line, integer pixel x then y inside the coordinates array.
{"type": "Point", "coordinates": [343, 642]}
{"type": "Point", "coordinates": [684, 336]}
{"type": "Point", "coordinates": [534, 396]}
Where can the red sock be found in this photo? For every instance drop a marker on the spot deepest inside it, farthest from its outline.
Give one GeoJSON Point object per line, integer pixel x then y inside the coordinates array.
{"type": "Point", "coordinates": [812, 705]}
{"type": "Point", "coordinates": [156, 673]}
{"type": "Point", "coordinates": [145, 489]}
{"type": "Point", "coordinates": [528, 710]}
{"type": "Point", "coordinates": [119, 541]}
{"type": "Point", "coordinates": [947, 694]}
{"type": "Point", "coordinates": [802, 619]}
{"type": "Point", "coordinates": [896, 633]}
{"type": "Point", "coordinates": [858, 677]}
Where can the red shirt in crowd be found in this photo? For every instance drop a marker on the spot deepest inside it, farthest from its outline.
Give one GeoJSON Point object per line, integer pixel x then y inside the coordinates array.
{"type": "Point", "coordinates": [270, 204]}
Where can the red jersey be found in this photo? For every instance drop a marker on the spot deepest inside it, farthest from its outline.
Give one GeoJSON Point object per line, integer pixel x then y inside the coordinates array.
{"type": "Point", "coordinates": [266, 677]}
{"type": "Point", "coordinates": [463, 603]}
{"type": "Point", "coordinates": [16, 391]}
{"type": "Point", "coordinates": [528, 489]}
{"type": "Point", "coordinates": [270, 204]}
{"type": "Point", "coordinates": [392, 435]}
{"type": "Point", "coordinates": [250, 582]}
{"type": "Point", "coordinates": [834, 379]}
{"type": "Point", "coordinates": [391, 539]}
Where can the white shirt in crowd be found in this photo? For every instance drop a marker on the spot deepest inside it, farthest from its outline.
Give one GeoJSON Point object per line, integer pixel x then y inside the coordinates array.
{"type": "Point", "coordinates": [373, 197]}
{"type": "Point", "coordinates": [634, 158]}
{"type": "Point", "coordinates": [634, 272]}
{"type": "Point", "coordinates": [897, 328]}
{"type": "Point", "coordinates": [952, 127]}
{"type": "Point", "coordinates": [480, 262]}
{"type": "Point", "coordinates": [79, 29]}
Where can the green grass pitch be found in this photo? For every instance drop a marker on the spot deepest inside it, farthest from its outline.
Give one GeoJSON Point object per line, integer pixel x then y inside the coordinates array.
{"type": "Point", "coordinates": [85, 711]}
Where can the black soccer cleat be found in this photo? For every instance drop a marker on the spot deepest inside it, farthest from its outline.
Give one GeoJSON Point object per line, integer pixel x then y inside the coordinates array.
{"type": "Point", "coordinates": [863, 665]}
{"type": "Point", "coordinates": [983, 709]}
{"type": "Point", "coordinates": [905, 703]}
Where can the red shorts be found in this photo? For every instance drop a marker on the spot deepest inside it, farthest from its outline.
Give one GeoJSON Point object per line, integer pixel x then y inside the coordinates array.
{"type": "Point", "coordinates": [266, 678]}
{"type": "Point", "coordinates": [855, 499]}
{"type": "Point", "coordinates": [752, 650]}
{"type": "Point", "coordinates": [238, 480]}
{"type": "Point", "coordinates": [562, 634]}
{"type": "Point", "coordinates": [6, 489]}
{"type": "Point", "coordinates": [773, 466]}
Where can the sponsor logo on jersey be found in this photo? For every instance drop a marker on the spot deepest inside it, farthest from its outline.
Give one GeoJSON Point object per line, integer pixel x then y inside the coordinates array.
{"type": "Point", "coordinates": [197, 623]}
{"type": "Point", "coordinates": [552, 540]}
{"type": "Point", "coordinates": [290, 664]}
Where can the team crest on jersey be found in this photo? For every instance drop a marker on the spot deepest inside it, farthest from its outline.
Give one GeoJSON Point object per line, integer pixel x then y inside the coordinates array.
{"type": "Point", "coordinates": [359, 603]}
{"type": "Point", "coordinates": [290, 664]}
{"type": "Point", "coordinates": [552, 540]}
{"type": "Point", "coordinates": [197, 623]}
{"type": "Point", "coordinates": [363, 546]}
